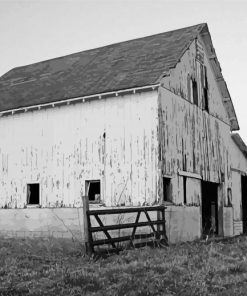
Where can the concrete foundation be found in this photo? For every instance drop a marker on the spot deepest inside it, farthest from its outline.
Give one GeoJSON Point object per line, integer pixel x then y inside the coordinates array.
{"type": "Point", "coordinates": [39, 222]}
{"type": "Point", "coordinates": [182, 223]}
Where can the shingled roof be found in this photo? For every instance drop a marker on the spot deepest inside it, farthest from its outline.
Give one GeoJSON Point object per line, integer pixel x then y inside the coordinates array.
{"type": "Point", "coordinates": [135, 63]}
{"type": "Point", "coordinates": [240, 143]}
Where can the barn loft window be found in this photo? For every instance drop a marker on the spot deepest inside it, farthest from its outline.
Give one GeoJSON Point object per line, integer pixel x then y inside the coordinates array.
{"type": "Point", "coordinates": [33, 194]}
{"type": "Point", "coordinates": [93, 190]}
{"type": "Point", "coordinates": [166, 189]}
{"type": "Point", "coordinates": [189, 87]}
{"type": "Point", "coordinates": [204, 82]}
{"type": "Point", "coordinates": [195, 92]}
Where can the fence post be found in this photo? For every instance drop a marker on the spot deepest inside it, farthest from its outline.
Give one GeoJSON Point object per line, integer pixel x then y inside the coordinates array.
{"type": "Point", "coordinates": [86, 226]}
{"type": "Point", "coordinates": [164, 226]}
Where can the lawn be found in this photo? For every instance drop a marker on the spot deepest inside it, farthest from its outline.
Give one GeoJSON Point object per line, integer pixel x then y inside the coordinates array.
{"type": "Point", "coordinates": [59, 267]}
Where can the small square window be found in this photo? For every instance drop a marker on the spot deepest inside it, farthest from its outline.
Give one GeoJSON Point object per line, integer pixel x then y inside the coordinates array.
{"type": "Point", "coordinates": [33, 194]}
{"type": "Point", "coordinates": [93, 191]}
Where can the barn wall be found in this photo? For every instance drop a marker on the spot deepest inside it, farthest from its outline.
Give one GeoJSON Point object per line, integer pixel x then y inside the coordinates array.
{"type": "Point", "coordinates": [177, 81]}
{"type": "Point", "coordinates": [183, 223]}
{"type": "Point", "coordinates": [46, 222]}
{"type": "Point", "coordinates": [113, 140]}
{"type": "Point", "coordinates": [194, 142]}
{"type": "Point", "coordinates": [239, 168]}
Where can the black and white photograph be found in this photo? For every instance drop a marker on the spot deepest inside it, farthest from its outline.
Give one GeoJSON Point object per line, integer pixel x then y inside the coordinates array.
{"type": "Point", "coordinates": [123, 147]}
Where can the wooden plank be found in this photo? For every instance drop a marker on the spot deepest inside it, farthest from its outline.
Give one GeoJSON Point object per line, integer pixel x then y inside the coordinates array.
{"type": "Point", "coordinates": [150, 222]}
{"type": "Point", "coordinates": [127, 225]}
{"type": "Point", "coordinates": [164, 228]}
{"type": "Point", "coordinates": [189, 174]}
{"type": "Point", "coordinates": [136, 221]}
{"type": "Point", "coordinates": [125, 210]}
{"type": "Point", "coordinates": [87, 226]}
{"type": "Point", "coordinates": [122, 238]}
{"type": "Point", "coordinates": [104, 230]}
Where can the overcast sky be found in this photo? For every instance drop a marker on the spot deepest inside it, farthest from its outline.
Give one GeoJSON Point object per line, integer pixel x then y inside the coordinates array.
{"type": "Point", "coordinates": [36, 30]}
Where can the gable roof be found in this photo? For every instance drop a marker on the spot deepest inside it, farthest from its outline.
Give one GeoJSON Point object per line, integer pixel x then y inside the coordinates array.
{"type": "Point", "coordinates": [130, 64]}
{"type": "Point", "coordinates": [240, 143]}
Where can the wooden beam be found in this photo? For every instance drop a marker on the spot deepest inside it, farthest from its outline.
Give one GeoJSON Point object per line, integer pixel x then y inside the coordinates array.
{"type": "Point", "coordinates": [189, 174]}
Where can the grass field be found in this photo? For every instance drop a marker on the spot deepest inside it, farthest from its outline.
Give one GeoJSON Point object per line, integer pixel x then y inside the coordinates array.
{"type": "Point", "coordinates": [58, 267]}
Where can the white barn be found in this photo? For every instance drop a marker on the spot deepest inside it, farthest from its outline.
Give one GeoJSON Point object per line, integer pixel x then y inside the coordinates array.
{"type": "Point", "coordinates": [142, 122]}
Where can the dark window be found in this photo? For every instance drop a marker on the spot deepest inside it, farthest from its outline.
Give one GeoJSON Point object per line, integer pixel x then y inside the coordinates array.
{"type": "Point", "coordinates": [189, 87]}
{"type": "Point", "coordinates": [184, 185]}
{"type": "Point", "coordinates": [93, 190]}
{"type": "Point", "coordinates": [33, 194]}
{"type": "Point", "coordinates": [205, 94]}
{"type": "Point", "coordinates": [205, 88]}
{"type": "Point", "coordinates": [195, 92]}
{"type": "Point", "coordinates": [166, 189]}
{"type": "Point", "coordinates": [229, 197]}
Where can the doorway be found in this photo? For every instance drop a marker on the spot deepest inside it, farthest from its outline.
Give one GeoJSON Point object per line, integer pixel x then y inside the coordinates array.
{"type": "Point", "coordinates": [244, 202]}
{"type": "Point", "coordinates": [209, 208]}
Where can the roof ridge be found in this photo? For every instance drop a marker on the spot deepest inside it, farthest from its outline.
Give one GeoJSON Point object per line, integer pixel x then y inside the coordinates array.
{"type": "Point", "coordinates": [201, 25]}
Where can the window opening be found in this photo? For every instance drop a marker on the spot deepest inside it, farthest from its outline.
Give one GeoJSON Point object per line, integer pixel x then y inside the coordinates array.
{"type": "Point", "coordinates": [205, 88]}
{"type": "Point", "coordinates": [189, 87]}
{"type": "Point", "coordinates": [195, 92]}
{"type": "Point", "coordinates": [33, 194]}
{"type": "Point", "coordinates": [93, 190]}
{"type": "Point", "coordinates": [229, 197]}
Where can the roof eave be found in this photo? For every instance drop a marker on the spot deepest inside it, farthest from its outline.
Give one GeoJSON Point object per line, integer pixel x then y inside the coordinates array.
{"type": "Point", "coordinates": [227, 101]}
{"type": "Point", "coordinates": [99, 96]}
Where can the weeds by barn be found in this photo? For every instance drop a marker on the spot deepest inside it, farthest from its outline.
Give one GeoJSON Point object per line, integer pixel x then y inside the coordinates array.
{"type": "Point", "coordinates": [58, 267]}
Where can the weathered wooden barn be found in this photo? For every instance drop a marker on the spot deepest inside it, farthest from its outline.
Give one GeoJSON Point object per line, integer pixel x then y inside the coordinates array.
{"type": "Point", "coordinates": [141, 122]}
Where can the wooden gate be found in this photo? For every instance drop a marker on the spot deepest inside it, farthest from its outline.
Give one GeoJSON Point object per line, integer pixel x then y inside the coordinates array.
{"type": "Point", "coordinates": [157, 227]}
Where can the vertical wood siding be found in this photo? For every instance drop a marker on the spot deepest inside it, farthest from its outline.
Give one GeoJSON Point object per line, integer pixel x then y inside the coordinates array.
{"type": "Point", "coordinates": [239, 167]}
{"type": "Point", "coordinates": [113, 140]}
{"type": "Point", "coordinates": [192, 139]}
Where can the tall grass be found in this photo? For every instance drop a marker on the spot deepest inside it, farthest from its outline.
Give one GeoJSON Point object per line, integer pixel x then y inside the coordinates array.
{"type": "Point", "coordinates": [59, 267]}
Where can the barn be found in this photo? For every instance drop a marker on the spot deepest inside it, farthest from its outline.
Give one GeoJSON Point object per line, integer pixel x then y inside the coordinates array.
{"type": "Point", "coordinates": [143, 122]}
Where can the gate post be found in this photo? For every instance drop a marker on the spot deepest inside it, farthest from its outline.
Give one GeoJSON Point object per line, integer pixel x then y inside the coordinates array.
{"type": "Point", "coordinates": [164, 227]}
{"type": "Point", "coordinates": [85, 224]}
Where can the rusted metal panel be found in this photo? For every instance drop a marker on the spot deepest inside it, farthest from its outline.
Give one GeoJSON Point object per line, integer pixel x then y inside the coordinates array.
{"type": "Point", "coordinates": [114, 141]}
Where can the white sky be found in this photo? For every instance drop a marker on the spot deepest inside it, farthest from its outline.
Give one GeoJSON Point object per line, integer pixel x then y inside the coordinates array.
{"type": "Point", "coordinates": [36, 30]}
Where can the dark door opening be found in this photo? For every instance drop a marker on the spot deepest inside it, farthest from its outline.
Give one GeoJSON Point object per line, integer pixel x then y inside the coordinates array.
{"type": "Point", "coordinates": [209, 208]}
{"type": "Point", "coordinates": [166, 189]}
{"type": "Point", "coordinates": [244, 202]}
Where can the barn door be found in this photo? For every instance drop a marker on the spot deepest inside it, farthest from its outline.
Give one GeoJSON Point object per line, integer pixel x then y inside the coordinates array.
{"type": "Point", "coordinates": [209, 208]}
{"type": "Point", "coordinates": [244, 202]}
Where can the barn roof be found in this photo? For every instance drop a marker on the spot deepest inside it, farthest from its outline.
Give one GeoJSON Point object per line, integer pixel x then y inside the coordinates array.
{"type": "Point", "coordinates": [240, 143]}
{"type": "Point", "coordinates": [130, 64]}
